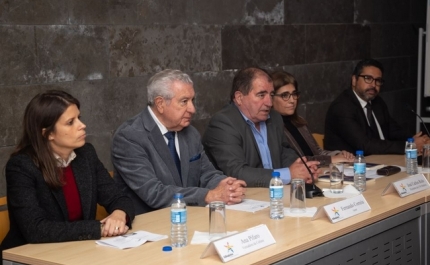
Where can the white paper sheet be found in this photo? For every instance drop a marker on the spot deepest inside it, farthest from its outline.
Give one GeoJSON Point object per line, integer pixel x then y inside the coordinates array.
{"type": "Point", "coordinates": [310, 211]}
{"type": "Point", "coordinates": [130, 240]}
{"type": "Point", "coordinates": [248, 205]}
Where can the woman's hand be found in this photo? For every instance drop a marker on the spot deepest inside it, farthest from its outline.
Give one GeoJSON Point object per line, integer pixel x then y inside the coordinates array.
{"type": "Point", "coordinates": [114, 224]}
{"type": "Point", "coordinates": [343, 156]}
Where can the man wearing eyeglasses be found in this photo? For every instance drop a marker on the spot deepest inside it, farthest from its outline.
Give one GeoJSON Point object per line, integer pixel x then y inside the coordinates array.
{"type": "Point", "coordinates": [359, 119]}
{"type": "Point", "coordinates": [246, 140]}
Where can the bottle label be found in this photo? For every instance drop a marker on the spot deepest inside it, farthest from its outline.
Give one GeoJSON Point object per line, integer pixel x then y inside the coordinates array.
{"type": "Point", "coordinates": [411, 153]}
{"type": "Point", "coordinates": [276, 192]}
{"type": "Point", "coordinates": [359, 168]}
{"type": "Point", "coordinates": [178, 216]}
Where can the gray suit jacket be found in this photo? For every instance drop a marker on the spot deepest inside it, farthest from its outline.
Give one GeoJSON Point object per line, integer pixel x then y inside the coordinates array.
{"type": "Point", "coordinates": [232, 148]}
{"type": "Point", "coordinates": [145, 170]}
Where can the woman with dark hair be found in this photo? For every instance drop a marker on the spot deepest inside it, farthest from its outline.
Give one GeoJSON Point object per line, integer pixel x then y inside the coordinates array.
{"type": "Point", "coordinates": [298, 135]}
{"type": "Point", "coordinates": [55, 179]}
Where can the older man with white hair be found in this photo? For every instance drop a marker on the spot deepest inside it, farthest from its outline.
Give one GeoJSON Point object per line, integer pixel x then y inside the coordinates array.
{"type": "Point", "coordinates": [158, 153]}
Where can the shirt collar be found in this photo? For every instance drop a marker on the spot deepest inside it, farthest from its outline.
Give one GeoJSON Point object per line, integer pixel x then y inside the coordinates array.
{"type": "Point", "coordinates": [162, 128]}
{"type": "Point", "coordinates": [61, 162]}
{"type": "Point", "coordinates": [248, 120]}
{"type": "Point", "coordinates": [362, 102]}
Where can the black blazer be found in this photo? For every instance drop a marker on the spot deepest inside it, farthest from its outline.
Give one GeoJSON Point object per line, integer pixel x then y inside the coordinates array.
{"type": "Point", "coordinates": [346, 127]}
{"type": "Point", "coordinates": [39, 214]}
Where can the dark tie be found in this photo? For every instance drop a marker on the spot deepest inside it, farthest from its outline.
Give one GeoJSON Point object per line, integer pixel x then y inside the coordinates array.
{"type": "Point", "coordinates": [171, 144]}
{"type": "Point", "coordinates": [371, 120]}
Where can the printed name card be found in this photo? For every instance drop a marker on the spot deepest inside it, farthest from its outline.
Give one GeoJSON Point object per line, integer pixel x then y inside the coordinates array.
{"type": "Point", "coordinates": [239, 244]}
{"type": "Point", "coordinates": [408, 186]}
{"type": "Point", "coordinates": [344, 209]}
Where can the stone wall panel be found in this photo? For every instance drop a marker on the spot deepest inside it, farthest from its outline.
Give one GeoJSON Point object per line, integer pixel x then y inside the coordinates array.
{"type": "Point", "coordinates": [68, 53]}
{"type": "Point", "coordinates": [18, 55]}
{"type": "Point", "coordinates": [40, 12]}
{"type": "Point", "coordinates": [323, 11]}
{"type": "Point", "coordinates": [381, 11]}
{"type": "Point", "coordinates": [264, 46]}
{"type": "Point", "coordinates": [330, 43]}
{"type": "Point", "coordinates": [137, 51]}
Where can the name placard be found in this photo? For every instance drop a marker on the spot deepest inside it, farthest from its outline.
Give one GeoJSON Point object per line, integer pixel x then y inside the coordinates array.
{"type": "Point", "coordinates": [239, 244]}
{"type": "Point", "coordinates": [408, 186]}
{"type": "Point", "coordinates": [344, 209]}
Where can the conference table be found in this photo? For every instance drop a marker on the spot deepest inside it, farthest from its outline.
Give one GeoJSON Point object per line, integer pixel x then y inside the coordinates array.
{"type": "Point", "coordinates": [394, 223]}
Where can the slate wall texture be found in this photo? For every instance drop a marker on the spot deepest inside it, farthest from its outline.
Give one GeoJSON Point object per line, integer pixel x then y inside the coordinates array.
{"type": "Point", "coordinates": [104, 51]}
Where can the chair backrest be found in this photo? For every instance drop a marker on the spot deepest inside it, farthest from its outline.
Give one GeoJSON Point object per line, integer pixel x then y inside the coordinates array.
{"type": "Point", "coordinates": [101, 212]}
{"type": "Point", "coordinates": [319, 138]}
{"type": "Point", "coordinates": [4, 218]}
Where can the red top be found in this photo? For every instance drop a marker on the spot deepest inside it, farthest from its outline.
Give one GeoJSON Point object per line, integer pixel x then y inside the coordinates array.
{"type": "Point", "coordinates": [71, 193]}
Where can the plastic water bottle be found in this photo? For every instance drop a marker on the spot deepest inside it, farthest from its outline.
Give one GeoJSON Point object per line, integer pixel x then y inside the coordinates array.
{"type": "Point", "coordinates": [359, 171]}
{"type": "Point", "coordinates": [178, 216]}
{"type": "Point", "coordinates": [276, 196]}
{"type": "Point", "coordinates": [411, 154]}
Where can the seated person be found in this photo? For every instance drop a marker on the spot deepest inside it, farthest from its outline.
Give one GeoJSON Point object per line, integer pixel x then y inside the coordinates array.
{"type": "Point", "coordinates": [285, 102]}
{"type": "Point", "coordinates": [55, 179]}
{"type": "Point", "coordinates": [358, 119]}
{"type": "Point", "coordinates": [246, 138]}
{"type": "Point", "coordinates": [158, 153]}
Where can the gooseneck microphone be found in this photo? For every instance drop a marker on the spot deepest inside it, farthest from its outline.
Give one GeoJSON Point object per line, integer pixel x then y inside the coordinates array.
{"type": "Point", "coordinates": [311, 189]}
{"type": "Point", "coordinates": [408, 107]}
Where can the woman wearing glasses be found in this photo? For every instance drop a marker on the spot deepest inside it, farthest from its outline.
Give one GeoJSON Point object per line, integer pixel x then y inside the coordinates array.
{"type": "Point", "coordinates": [298, 135]}
{"type": "Point", "coordinates": [55, 179]}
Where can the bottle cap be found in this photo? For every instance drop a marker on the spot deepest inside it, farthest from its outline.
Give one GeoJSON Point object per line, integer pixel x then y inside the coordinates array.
{"type": "Point", "coordinates": [178, 196]}
{"type": "Point", "coordinates": [359, 152]}
{"type": "Point", "coordinates": [410, 140]}
{"type": "Point", "coordinates": [167, 248]}
{"type": "Point", "coordinates": [276, 174]}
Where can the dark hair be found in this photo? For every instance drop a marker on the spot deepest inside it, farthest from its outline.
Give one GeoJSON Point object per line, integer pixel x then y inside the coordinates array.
{"type": "Point", "coordinates": [280, 79]}
{"type": "Point", "coordinates": [243, 80]}
{"type": "Point", "coordinates": [40, 117]}
{"type": "Point", "coordinates": [365, 63]}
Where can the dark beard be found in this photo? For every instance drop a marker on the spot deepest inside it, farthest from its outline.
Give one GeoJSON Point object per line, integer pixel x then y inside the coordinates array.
{"type": "Point", "coordinates": [367, 97]}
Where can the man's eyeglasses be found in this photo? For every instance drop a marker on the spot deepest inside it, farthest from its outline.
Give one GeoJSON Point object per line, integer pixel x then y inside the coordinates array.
{"type": "Point", "coordinates": [286, 95]}
{"type": "Point", "coordinates": [369, 80]}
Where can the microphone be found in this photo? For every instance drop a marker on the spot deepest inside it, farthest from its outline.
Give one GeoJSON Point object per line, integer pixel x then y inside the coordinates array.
{"type": "Point", "coordinates": [408, 107]}
{"type": "Point", "coordinates": [311, 189]}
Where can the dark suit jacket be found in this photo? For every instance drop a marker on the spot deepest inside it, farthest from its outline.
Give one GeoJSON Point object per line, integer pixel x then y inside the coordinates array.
{"type": "Point", "coordinates": [38, 214]}
{"type": "Point", "coordinates": [346, 127]}
{"type": "Point", "coordinates": [232, 148]}
{"type": "Point", "coordinates": [145, 170]}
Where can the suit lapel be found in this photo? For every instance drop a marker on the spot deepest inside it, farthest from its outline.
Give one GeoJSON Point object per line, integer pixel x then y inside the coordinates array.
{"type": "Point", "coordinates": [61, 200]}
{"type": "Point", "coordinates": [379, 114]}
{"type": "Point", "coordinates": [185, 162]}
{"type": "Point", "coordinates": [363, 118]}
{"type": "Point", "coordinates": [272, 143]}
{"type": "Point", "coordinates": [157, 140]}
{"type": "Point", "coordinates": [248, 136]}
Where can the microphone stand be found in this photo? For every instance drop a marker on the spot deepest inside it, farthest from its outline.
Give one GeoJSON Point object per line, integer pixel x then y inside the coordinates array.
{"type": "Point", "coordinates": [311, 189]}
{"type": "Point", "coordinates": [420, 157]}
{"type": "Point", "coordinates": [424, 125]}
